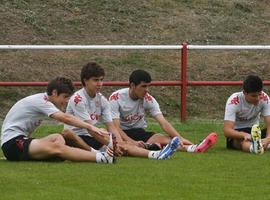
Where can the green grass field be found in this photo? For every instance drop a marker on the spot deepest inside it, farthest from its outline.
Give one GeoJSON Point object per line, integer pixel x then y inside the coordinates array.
{"type": "Point", "coordinates": [217, 174]}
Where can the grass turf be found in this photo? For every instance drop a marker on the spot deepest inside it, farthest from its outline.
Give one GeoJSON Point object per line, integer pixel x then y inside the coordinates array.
{"type": "Point", "coordinates": [217, 174]}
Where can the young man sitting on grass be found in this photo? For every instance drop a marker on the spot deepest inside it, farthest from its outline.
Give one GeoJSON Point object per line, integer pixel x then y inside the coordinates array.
{"type": "Point", "coordinates": [26, 115]}
{"type": "Point", "coordinates": [242, 117]}
{"type": "Point", "coordinates": [92, 107]}
{"type": "Point", "coordinates": [129, 107]}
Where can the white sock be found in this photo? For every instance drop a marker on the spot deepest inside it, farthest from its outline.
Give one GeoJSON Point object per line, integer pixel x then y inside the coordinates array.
{"type": "Point", "coordinates": [153, 154]}
{"type": "Point", "coordinates": [94, 150]}
{"type": "Point", "coordinates": [268, 146]}
{"type": "Point", "coordinates": [251, 149]}
{"type": "Point", "coordinates": [98, 157]}
{"type": "Point", "coordinates": [191, 148]}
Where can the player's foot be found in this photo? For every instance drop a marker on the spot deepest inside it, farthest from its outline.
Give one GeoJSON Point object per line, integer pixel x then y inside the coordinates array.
{"type": "Point", "coordinates": [106, 157]}
{"type": "Point", "coordinates": [207, 143]}
{"type": "Point", "coordinates": [256, 139]}
{"type": "Point", "coordinates": [169, 149]}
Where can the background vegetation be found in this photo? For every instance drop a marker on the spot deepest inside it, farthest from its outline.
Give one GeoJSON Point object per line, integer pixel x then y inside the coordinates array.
{"type": "Point", "coordinates": [171, 22]}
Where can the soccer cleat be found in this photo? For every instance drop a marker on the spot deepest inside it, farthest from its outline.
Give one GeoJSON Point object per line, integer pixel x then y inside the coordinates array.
{"type": "Point", "coordinates": [106, 157]}
{"type": "Point", "coordinates": [256, 139]}
{"type": "Point", "coordinates": [169, 149]}
{"type": "Point", "coordinates": [208, 142]}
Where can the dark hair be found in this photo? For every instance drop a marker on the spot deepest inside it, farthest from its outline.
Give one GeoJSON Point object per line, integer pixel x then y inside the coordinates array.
{"type": "Point", "coordinates": [252, 83]}
{"type": "Point", "coordinates": [61, 85]}
{"type": "Point", "coordinates": [91, 69]}
{"type": "Point", "coordinates": [138, 76]}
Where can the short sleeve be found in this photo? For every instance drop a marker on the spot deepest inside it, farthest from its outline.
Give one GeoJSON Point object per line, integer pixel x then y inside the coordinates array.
{"type": "Point", "coordinates": [152, 105]}
{"type": "Point", "coordinates": [231, 108]}
{"type": "Point", "coordinates": [106, 110]}
{"type": "Point", "coordinates": [114, 105]}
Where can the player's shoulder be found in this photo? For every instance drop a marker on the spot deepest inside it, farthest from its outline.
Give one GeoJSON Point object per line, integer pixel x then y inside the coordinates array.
{"type": "Point", "coordinates": [101, 97]}
{"type": "Point", "coordinates": [39, 97]}
{"type": "Point", "coordinates": [264, 97]}
{"type": "Point", "coordinates": [78, 97]}
{"type": "Point", "coordinates": [235, 98]}
{"type": "Point", "coordinates": [116, 95]}
{"type": "Point", "coordinates": [148, 98]}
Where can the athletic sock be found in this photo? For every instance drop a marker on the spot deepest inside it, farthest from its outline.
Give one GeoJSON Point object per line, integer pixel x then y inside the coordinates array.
{"type": "Point", "coordinates": [93, 150]}
{"type": "Point", "coordinates": [153, 154]}
{"type": "Point", "coordinates": [98, 157]}
{"type": "Point", "coordinates": [251, 149]}
{"type": "Point", "coordinates": [191, 148]}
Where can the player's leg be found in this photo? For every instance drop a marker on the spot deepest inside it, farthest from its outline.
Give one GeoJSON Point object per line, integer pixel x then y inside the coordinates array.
{"type": "Point", "coordinates": [165, 153]}
{"type": "Point", "coordinates": [74, 140]}
{"type": "Point", "coordinates": [54, 146]}
{"type": "Point", "coordinates": [164, 140]}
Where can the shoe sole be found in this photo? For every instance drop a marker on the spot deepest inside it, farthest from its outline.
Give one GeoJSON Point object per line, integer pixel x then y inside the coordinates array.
{"type": "Point", "coordinates": [210, 141]}
{"type": "Point", "coordinates": [256, 140]}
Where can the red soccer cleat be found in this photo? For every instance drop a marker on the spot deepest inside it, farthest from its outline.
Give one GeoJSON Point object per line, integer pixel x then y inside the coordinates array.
{"type": "Point", "coordinates": [207, 143]}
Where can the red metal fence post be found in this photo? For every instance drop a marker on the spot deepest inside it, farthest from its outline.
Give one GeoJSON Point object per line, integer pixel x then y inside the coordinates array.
{"type": "Point", "coordinates": [183, 100]}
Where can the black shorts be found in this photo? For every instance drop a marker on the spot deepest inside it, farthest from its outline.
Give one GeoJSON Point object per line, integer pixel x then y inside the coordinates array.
{"type": "Point", "coordinates": [17, 149]}
{"type": "Point", "coordinates": [229, 141]}
{"type": "Point", "coordinates": [92, 142]}
{"type": "Point", "coordinates": [139, 134]}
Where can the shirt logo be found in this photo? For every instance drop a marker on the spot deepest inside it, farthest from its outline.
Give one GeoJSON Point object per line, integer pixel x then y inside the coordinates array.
{"type": "Point", "coordinates": [114, 97]}
{"type": "Point", "coordinates": [264, 97]}
{"type": "Point", "coordinates": [148, 98]}
{"type": "Point", "coordinates": [94, 116]}
{"type": "Point", "coordinates": [77, 99]}
{"type": "Point", "coordinates": [45, 98]}
{"type": "Point", "coordinates": [235, 101]}
{"type": "Point", "coordinates": [133, 117]}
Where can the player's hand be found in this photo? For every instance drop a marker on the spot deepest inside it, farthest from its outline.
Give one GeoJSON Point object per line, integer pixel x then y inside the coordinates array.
{"type": "Point", "coordinates": [119, 150]}
{"type": "Point", "coordinates": [98, 131]}
{"type": "Point", "coordinates": [140, 144]}
{"type": "Point", "coordinates": [122, 150]}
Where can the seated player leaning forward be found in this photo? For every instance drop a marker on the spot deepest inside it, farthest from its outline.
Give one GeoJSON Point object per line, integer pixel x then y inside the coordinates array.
{"type": "Point", "coordinates": [27, 114]}
{"type": "Point", "coordinates": [129, 106]}
{"type": "Point", "coordinates": [242, 116]}
{"type": "Point", "coordinates": [91, 106]}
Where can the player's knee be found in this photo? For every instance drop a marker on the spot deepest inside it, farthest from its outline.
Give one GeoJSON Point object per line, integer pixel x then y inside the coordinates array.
{"type": "Point", "coordinates": [59, 139]}
{"type": "Point", "coordinates": [66, 133]}
{"type": "Point", "coordinates": [57, 149]}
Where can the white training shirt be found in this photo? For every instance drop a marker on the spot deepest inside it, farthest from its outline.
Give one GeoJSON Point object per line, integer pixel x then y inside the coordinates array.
{"type": "Point", "coordinates": [131, 113]}
{"type": "Point", "coordinates": [26, 115]}
{"type": "Point", "coordinates": [243, 113]}
{"type": "Point", "coordinates": [95, 109]}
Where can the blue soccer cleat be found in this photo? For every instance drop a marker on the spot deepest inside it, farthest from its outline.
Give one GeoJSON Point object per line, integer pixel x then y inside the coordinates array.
{"type": "Point", "coordinates": [169, 149]}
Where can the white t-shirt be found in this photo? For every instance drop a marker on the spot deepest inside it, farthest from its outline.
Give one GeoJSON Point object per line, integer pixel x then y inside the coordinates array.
{"type": "Point", "coordinates": [131, 113]}
{"type": "Point", "coordinates": [95, 109]}
{"type": "Point", "coordinates": [26, 115]}
{"type": "Point", "coordinates": [243, 113]}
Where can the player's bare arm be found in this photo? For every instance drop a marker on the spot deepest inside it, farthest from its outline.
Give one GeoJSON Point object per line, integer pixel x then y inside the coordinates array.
{"type": "Point", "coordinates": [74, 121]}
{"type": "Point", "coordinates": [169, 129]}
{"type": "Point", "coordinates": [124, 136]}
{"type": "Point", "coordinates": [267, 125]}
{"type": "Point", "coordinates": [111, 128]}
{"type": "Point", "coordinates": [229, 131]}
